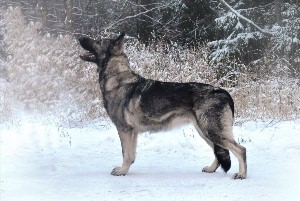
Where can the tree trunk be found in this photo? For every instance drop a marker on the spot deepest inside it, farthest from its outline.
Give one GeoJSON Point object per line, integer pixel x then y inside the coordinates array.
{"type": "Point", "coordinates": [278, 4]}
{"type": "Point", "coordinates": [69, 15]}
{"type": "Point", "coordinates": [145, 21]}
{"type": "Point", "coordinates": [42, 12]}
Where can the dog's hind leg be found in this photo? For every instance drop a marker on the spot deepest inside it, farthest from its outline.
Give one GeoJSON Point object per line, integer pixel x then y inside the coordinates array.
{"type": "Point", "coordinates": [128, 139]}
{"type": "Point", "coordinates": [223, 142]}
{"type": "Point", "coordinates": [240, 152]}
{"type": "Point", "coordinates": [215, 164]}
{"type": "Point", "coordinates": [227, 142]}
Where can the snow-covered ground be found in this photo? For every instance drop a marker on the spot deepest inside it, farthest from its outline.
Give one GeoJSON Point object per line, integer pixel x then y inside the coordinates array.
{"type": "Point", "coordinates": [43, 161]}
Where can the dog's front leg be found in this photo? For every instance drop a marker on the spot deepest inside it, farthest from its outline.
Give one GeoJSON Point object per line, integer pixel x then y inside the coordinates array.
{"type": "Point", "coordinates": [128, 139]}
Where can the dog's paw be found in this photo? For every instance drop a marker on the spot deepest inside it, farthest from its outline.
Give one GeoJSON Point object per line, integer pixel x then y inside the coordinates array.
{"type": "Point", "coordinates": [208, 169]}
{"type": "Point", "coordinates": [119, 171]}
{"type": "Point", "coordinates": [239, 176]}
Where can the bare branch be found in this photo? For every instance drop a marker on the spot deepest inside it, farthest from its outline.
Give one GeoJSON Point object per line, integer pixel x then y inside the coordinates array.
{"type": "Point", "coordinates": [134, 16]}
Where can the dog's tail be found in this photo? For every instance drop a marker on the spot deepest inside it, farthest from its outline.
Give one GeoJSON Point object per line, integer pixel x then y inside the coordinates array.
{"type": "Point", "coordinates": [223, 157]}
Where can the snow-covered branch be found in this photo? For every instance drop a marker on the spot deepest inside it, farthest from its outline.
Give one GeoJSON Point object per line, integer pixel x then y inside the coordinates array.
{"type": "Point", "coordinates": [246, 19]}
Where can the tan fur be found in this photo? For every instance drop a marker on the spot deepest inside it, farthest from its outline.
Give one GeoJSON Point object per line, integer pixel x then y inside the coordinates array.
{"type": "Point", "coordinates": [134, 117]}
{"type": "Point", "coordinates": [229, 143]}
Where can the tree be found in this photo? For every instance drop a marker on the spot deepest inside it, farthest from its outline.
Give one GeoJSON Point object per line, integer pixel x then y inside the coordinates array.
{"type": "Point", "coordinates": [285, 45]}
{"type": "Point", "coordinates": [145, 19]}
{"type": "Point", "coordinates": [3, 54]}
{"type": "Point", "coordinates": [278, 5]}
{"type": "Point", "coordinates": [249, 28]}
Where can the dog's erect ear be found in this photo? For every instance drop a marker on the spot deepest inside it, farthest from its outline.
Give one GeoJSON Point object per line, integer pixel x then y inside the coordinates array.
{"type": "Point", "coordinates": [117, 45]}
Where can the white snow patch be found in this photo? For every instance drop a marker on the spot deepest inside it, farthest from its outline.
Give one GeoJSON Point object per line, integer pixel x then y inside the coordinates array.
{"type": "Point", "coordinates": [43, 161]}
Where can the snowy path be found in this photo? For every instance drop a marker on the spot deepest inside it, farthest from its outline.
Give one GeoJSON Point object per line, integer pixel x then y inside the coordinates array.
{"type": "Point", "coordinates": [46, 162]}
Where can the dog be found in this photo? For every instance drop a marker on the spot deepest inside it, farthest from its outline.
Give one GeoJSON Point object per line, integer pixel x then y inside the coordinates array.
{"type": "Point", "coordinates": [135, 105]}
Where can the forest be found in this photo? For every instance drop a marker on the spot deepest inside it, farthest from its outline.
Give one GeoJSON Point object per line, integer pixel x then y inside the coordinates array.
{"type": "Point", "coordinates": [243, 32]}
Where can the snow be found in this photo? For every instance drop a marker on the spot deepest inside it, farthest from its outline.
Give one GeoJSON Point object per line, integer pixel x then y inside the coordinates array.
{"type": "Point", "coordinates": [42, 160]}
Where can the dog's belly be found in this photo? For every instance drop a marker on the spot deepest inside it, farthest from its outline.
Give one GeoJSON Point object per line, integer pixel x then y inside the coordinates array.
{"type": "Point", "coordinates": [143, 121]}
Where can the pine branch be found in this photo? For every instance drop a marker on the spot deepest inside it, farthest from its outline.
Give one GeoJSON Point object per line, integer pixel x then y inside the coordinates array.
{"type": "Point", "coordinates": [247, 20]}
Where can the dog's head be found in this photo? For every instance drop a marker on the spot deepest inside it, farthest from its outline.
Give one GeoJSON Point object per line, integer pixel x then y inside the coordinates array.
{"type": "Point", "coordinates": [98, 50]}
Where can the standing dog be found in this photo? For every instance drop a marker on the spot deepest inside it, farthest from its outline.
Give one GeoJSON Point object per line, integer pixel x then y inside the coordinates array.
{"type": "Point", "coordinates": [136, 104]}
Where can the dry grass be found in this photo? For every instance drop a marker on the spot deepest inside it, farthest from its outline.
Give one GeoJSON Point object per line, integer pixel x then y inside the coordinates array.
{"type": "Point", "coordinates": [46, 76]}
{"type": "Point", "coordinates": [268, 99]}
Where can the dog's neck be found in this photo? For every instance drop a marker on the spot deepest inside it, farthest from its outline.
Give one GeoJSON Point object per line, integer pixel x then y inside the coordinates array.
{"type": "Point", "coordinates": [114, 72]}
{"type": "Point", "coordinates": [117, 65]}
{"type": "Point", "coordinates": [116, 80]}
